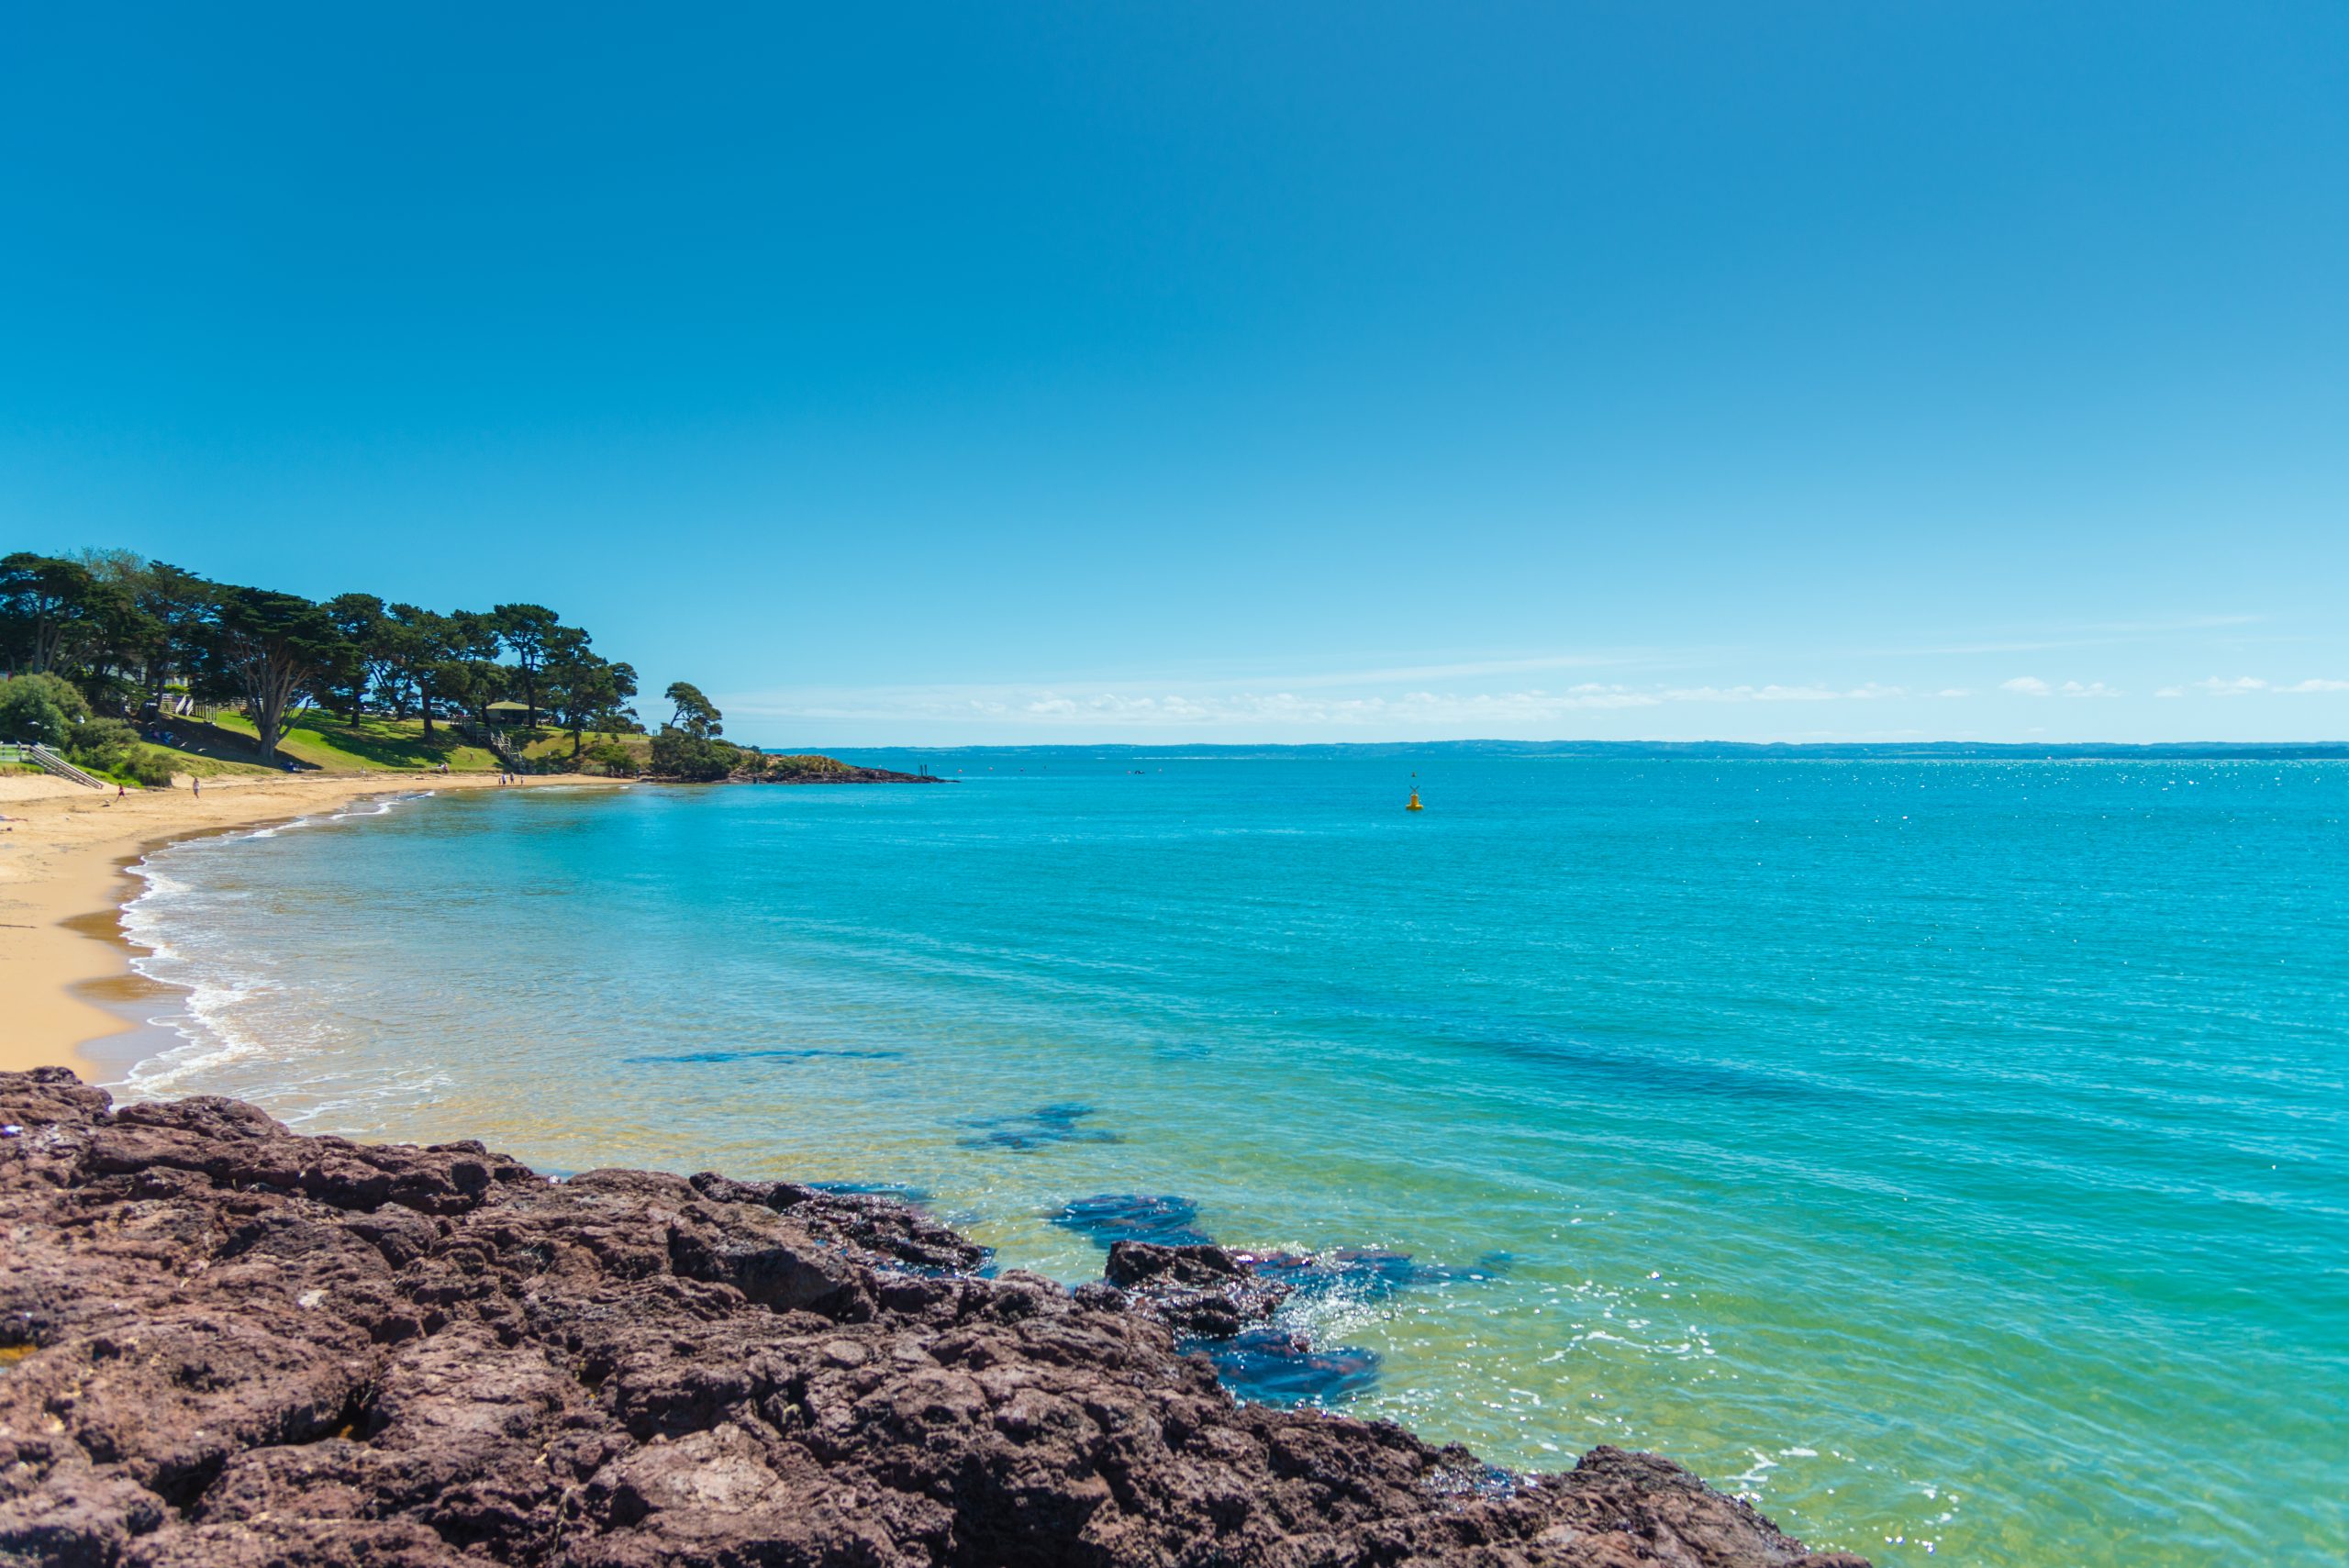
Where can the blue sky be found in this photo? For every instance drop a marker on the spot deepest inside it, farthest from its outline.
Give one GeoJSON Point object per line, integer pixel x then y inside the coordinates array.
{"type": "Point", "coordinates": [1082, 372]}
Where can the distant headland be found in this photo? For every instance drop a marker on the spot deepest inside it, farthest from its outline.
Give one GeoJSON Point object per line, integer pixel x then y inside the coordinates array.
{"type": "Point", "coordinates": [1726, 751]}
{"type": "Point", "coordinates": [119, 671]}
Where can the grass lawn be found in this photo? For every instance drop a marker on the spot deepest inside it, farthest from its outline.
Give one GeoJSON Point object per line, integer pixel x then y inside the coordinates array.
{"type": "Point", "coordinates": [556, 743]}
{"type": "Point", "coordinates": [197, 765]}
{"type": "Point", "coordinates": [373, 744]}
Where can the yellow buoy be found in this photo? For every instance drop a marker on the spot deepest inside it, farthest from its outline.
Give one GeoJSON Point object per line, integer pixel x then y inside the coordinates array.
{"type": "Point", "coordinates": [1415, 805]}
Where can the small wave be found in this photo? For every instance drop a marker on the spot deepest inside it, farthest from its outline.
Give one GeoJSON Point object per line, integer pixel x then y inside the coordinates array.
{"type": "Point", "coordinates": [377, 806]}
{"type": "Point", "coordinates": [162, 917]}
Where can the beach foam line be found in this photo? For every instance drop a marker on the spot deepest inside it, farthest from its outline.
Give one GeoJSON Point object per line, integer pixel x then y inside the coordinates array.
{"type": "Point", "coordinates": [203, 1021]}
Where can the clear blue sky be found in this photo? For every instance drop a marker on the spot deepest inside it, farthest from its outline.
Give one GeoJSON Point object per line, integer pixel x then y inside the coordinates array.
{"type": "Point", "coordinates": [1075, 372]}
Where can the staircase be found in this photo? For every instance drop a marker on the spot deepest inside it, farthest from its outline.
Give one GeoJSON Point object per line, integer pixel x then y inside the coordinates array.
{"type": "Point", "coordinates": [495, 741]}
{"type": "Point", "coordinates": [53, 763]}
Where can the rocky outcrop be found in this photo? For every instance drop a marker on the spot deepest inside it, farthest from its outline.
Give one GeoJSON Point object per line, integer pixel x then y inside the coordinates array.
{"type": "Point", "coordinates": [814, 768]}
{"type": "Point", "coordinates": [222, 1344]}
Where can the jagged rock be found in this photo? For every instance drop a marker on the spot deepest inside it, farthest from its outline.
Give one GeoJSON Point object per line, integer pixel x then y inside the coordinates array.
{"type": "Point", "coordinates": [1200, 1291]}
{"type": "Point", "coordinates": [225, 1345]}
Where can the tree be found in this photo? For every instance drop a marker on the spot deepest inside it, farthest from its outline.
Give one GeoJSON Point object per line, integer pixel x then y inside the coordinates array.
{"type": "Point", "coordinates": [416, 645]}
{"type": "Point", "coordinates": [695, 715]}
{"type": "Point", "coordinates": [274, 648]}
{"type": "Point", "coordinates": [112, 644]}
{"type": "Point", "coordinates": [178, 606]}
{"type": "Point", "coordinates": [585, 690]}
{"type": "Point", "coordinates": [527, 630]}
{"type": "Point", "coordinates": [60, 616]}
{"type": "Point", "coordinates": [46, 605]}
{"type": "Point", "coordinates": [471, 676]}
{"type": "Point", "coordinates": [358, 622]}
{"type": "Point", "coordinates": [41, 709]}
{"type": "Point", "coordinates": [111, 564]}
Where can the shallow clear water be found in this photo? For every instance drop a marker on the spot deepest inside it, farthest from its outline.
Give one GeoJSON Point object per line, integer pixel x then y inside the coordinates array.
{"type": "Point", "coordinates": [1950, 1156]}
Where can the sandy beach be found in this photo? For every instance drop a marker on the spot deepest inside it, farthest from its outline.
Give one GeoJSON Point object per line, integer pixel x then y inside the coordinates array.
{"type": "Point", "coordinates": [62, 852]}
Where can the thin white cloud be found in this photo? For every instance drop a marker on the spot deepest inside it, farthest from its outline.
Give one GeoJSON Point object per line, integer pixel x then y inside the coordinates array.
{"type": "Point", "coordinates": [1128, 706]}
{"type": "Point", "coordinates": [1780, 693]}
{"type": "Point", "coordinates": [2033, 686]}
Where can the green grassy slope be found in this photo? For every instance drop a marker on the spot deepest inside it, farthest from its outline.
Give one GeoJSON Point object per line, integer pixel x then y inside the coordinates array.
{"type": "Point", "coordinates": [555, 744]}
{"type": "Point", "coordinates": [372, 745]}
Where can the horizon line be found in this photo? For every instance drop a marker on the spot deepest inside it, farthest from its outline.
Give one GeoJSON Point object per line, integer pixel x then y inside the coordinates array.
{"type": "Point", "coordinates": [2015, 746]}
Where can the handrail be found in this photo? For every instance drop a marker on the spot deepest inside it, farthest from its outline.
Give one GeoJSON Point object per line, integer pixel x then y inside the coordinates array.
{"type": "Point", "coordinates": [495, 742]}
{"type": "Point", "coordinates": [61, 768]}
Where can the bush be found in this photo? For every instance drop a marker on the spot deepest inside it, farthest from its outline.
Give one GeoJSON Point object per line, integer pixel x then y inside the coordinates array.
{"type": "Point", "coordinates": [807, 767]}
{"type": "Point", "coordinates": [40, 709]}
{"type": "Point", "coordinates": [111, 746]}
{"type": "Point", "coordinates": [679, 755]}
{"type": "Point", "coordinates": [610, 759]}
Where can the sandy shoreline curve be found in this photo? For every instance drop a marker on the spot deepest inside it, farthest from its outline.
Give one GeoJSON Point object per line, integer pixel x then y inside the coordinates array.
{"type": "Point", "coordinates": [64, 850]}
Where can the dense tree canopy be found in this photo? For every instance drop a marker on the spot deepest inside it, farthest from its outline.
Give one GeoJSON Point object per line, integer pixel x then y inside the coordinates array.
{"type": "Point", "coordinates": [115, 638]}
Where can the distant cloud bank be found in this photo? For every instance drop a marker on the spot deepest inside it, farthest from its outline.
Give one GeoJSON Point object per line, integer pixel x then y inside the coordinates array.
{"type": "Point", "coordinates": [1437, 699]}
{"type": "Point", "coordinates": [1132, 707]}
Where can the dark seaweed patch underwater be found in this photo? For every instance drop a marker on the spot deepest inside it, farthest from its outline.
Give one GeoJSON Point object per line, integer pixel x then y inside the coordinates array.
{"type": "Point", "coordinates": [1038, 1128]}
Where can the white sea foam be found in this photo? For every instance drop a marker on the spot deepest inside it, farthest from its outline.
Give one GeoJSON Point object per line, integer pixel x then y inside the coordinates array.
{"type": "Point", "coordinates": [211, 991]}
{"type": "Point", "coordinates": [219, 979]}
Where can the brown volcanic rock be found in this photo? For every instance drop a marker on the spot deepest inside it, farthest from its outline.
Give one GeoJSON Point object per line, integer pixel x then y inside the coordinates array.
{"type": "Point", "coordinates": [236, 1348]}
{"type": "Point", "coordinates": [1200, 1291]}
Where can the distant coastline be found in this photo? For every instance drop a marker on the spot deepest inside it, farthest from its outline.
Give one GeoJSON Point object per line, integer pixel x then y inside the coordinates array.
{"type": "Point", "coordinates": [1727, 751]}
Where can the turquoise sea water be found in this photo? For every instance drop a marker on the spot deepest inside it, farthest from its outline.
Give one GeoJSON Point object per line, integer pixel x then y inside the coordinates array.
{"type": "Point", "coordinates": [1949, 1156]}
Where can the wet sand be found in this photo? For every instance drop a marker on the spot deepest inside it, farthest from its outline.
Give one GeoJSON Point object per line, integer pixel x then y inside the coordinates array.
{"type": "Point", "coordinates": [68, 995]}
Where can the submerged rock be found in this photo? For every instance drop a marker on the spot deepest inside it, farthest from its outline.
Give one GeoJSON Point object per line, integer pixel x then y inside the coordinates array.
{"type": "Point", "coordinates": [1038, 1128]}
{"type": "Point", "coordinates": [1366, 1274]}
{"type": "Point", "coordinates": [1110, 1218]}
{"type": "Point", "coordinates": [223, 1344]}
{"type": "Point", "coordinates": [1281, 1367]}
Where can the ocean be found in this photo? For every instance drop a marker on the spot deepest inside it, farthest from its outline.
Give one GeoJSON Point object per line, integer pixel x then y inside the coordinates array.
{"type": "Point", "coordinates": [1947, 1156]}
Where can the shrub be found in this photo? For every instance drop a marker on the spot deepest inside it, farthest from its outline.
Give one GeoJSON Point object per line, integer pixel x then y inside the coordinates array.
{"type": "Point", "coordinates": [807, 766]}
{"type": "Point", "coordinates": [111, 746]}
{"type": "Point", "coordinates": [610, 758]}
{"type": "Point", "coordinates": [40, 708]}
{"type": "Point", "coordinates": [679, 755]}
